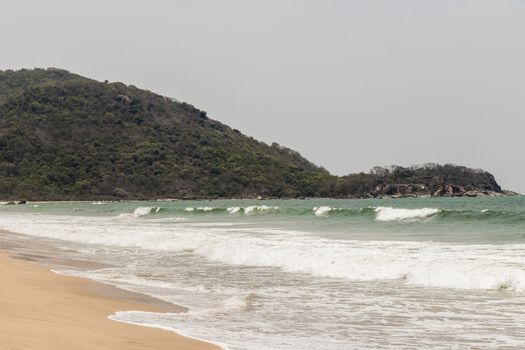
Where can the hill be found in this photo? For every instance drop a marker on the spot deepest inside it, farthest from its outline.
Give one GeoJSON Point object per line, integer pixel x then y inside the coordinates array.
{"type": "Point", "coordinates": [67, 137]}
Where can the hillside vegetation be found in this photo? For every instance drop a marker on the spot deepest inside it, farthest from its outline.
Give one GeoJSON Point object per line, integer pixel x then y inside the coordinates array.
{"type": "Point", "coordinates": [66, 137]}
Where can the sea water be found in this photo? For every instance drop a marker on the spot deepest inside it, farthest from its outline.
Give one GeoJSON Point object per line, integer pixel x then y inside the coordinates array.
{"type": "Point", "coordinates": [434, 273]}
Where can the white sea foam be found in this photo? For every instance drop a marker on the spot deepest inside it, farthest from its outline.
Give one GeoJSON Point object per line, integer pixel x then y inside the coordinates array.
{"type": "Point", "coordinates": [151, 320]}
{"type": "Point", "coordinates": [140, 211]}
{"type": "Point", "coordinates": [326, 210]}
{"type": "Point", "coordinates": [422, 264]}
{"type": "Point", "coordinates": [416, 263]}
{"type": "Point", "coordinates": [233, 210]}
{"type": "Point", "coordinates": [259, 209]}
{"type": "Point", "coordinates": [205, 209]}
{"type": "Point", "coordinates": [130, 282]}
{"type": "Point", "coordinates": [199, 209]}
{"type": "Point", "coordinates": [230, 305]}
{"type": "Point", "coordinates": [322, 211]}
{"type": "Point", "coordinates": [399, 214]}
{"type": "Point", "coordinates": [172, 219]}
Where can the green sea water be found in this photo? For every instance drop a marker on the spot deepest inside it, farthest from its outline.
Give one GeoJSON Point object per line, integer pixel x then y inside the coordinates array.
{"type": "Point", "coordinates": [476, 220]}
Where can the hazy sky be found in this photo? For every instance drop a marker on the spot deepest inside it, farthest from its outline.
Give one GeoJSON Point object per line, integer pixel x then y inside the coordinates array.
{"type": "Point", "coordinates": [349, 84]}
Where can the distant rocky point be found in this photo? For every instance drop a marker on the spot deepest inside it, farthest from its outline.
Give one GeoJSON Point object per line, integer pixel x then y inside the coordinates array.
{"type": "Point", "coordinates": [434, 180]}
{"type": "Point", "coordinates": [67, 137]}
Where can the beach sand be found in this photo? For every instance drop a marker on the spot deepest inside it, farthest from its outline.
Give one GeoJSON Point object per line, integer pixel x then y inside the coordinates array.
{"type": "Point", "coordinates": [42, 310]}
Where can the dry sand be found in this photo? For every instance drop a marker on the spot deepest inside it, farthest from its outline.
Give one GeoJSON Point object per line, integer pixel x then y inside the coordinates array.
{"type": "Point", "coordinates": [40, 310]}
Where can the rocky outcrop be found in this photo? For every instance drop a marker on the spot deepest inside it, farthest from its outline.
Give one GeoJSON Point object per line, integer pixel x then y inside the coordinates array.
{"type": "Point", "coordinates": [428, 180]}
{"type": "Point", "coordinates": [16, 202]}
{"type": "Point", "coordinates": [443, 190]}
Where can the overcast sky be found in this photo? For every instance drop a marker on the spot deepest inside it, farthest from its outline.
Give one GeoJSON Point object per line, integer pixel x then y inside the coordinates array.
{"type": "Point", "coordinates": [349, 84]}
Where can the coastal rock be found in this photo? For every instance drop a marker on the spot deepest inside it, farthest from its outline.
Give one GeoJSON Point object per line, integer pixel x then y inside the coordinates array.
{"type": "Point", "coordinates": [510, 193]}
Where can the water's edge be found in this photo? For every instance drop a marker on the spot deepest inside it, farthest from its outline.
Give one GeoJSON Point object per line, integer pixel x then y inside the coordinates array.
{"type": "Point", "coordinates": [10, 249]}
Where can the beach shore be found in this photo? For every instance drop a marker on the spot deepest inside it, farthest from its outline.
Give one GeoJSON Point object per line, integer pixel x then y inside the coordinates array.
{"type": "Point", "coordinates": [42, 310]}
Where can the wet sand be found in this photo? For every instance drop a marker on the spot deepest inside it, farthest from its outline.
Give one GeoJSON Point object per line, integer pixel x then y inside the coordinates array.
{"type": "Point", "coordinates": [42, 310]}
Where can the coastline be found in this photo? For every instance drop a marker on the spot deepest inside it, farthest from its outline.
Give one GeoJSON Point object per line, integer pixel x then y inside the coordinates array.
{"type": "Point", "coordinates": [472, 194]}
{"type": "Point", "coordinates": [44, 310]}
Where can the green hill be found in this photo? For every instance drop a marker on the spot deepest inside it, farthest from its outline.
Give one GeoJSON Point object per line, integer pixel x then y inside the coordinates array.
{"type": "Point", "coordinates": [66, 137]}
{"type": "Point", "coordinates": [63, 136]}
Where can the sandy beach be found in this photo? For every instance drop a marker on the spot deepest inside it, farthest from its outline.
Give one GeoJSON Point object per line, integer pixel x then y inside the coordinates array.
{"type": "Point", "coordinates": [43, 310]}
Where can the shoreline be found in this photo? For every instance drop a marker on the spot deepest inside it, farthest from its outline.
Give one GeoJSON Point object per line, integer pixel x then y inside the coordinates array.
{"type": "Point", "coordinates": [468, 194]}
{"type": "Point", "coordinates": [45, 310]}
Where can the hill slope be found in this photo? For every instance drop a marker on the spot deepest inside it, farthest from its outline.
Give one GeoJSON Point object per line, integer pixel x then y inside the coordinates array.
{"type": "Point", "coordinates": [63, 136]}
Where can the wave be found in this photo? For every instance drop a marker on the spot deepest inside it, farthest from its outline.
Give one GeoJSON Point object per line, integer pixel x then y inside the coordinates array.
{"type": "Point", "coordinates": [139, 212]}
{"type": "Point", "coordinates": [203, 209]}
{"type": "Point", "coordinates": [392, 214]}
{"type": "Point", "coordinates": [233, 210]}
{"type": "Point", "coordinates": [131, 282]}
{"type": "Point", "coordinates": [379, 213]}
{"type": "Point", "coordinates": [162, 321]}
{"type": "Point", "coordinates": [399, 214]}
{"type": "Point", "coordinates": [423, 264]}
{"type": "Point", "coordinates": [322, 211]}
{"type": "Point", "coordinates": [427, 264]}
{"type": "Point", "coordinates": [260, 209]}
{"type": "Point", "coordinates": [482, 215]}
{"type": "Point", "coordinates": [326, 211]}
{"type": "Point", "coordinates": [253, 209]}
{"type": "Point", "coordinates": [233, 304]}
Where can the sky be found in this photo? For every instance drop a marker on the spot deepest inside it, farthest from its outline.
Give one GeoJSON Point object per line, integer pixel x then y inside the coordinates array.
{"type": "Point", "coordinates": [350, 84]}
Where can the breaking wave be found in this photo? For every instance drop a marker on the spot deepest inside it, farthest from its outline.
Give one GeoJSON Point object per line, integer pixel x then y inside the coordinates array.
{"type": "Point", "coordinates": [253, 209]}
{"type": "Point", "coordinates": [398, 214]}
{"type": "Point", "coordinates": [379, 214]}
{"type": "Point", "coordinates": [463, 266]}
{"type": "Point", "coordinates": [139, 212]}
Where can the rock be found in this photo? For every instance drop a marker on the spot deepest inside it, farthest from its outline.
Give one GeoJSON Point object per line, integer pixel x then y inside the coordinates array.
{"type": "Point", "coordinates": [510, 193]}
{"type": "Point", "coordinates": [120, 192]}
{"type": "Point", "coordinates": [125, 99]}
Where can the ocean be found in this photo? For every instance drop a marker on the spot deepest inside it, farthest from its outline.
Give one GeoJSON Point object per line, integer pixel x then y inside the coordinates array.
{"type": "Point", "coordinates": [419, 273]}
